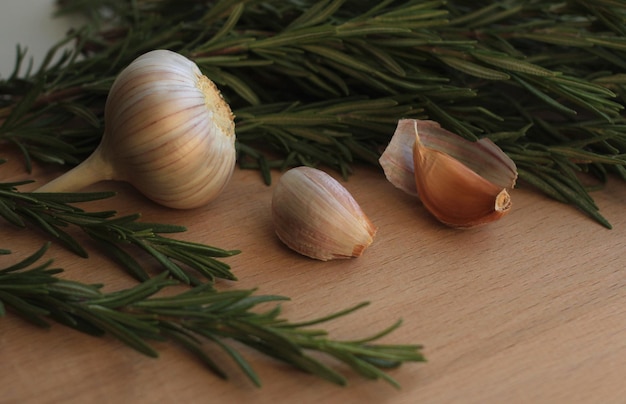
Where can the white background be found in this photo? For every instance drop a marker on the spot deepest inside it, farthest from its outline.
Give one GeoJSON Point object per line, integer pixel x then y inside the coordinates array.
{"type": "Point", "coordinates": [29, 23]}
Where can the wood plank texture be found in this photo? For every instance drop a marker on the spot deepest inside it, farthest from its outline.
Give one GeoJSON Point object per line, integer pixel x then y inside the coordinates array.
{"type": "Point", "coordinates": [527, 309]}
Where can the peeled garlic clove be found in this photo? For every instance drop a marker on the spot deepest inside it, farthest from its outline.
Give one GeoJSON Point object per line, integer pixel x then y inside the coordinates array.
{"type": "Point", "coordinates": [168, 132]}
{"type": "Point", "coordinates": [453, 193]}
{"type": "Point", "coordinates": [483, 156]}
{"type": "Point", "coordinates": [314, 215]}
{"type": "Point", "coordinates": [462, 183]}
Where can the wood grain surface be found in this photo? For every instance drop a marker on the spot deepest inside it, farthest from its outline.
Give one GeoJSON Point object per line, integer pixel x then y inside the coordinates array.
{"type": "Point", "coordinates": [528, 309]}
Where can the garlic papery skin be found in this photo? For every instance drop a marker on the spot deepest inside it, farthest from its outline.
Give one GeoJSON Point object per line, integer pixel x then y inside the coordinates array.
{"type": "Point", "coordinates": [168, 132]}
{"type": "Point", "coordinates": [460, 182]}
{"type": "Point", "coordinates": [482, 156]}
{"type": "Point", "coordinates": [314, 215]}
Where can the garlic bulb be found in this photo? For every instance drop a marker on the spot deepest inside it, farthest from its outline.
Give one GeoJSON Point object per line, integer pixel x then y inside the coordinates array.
{"type": "Point", "coordinates": [462, 183]}
{"type": "Point", "coordinates": [314, 215]}
{"type": "Point", "coordinates": [168, 132]}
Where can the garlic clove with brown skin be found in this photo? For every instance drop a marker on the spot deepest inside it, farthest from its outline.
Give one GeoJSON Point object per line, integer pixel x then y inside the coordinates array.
{"type": "Point", "coordinates": [453, 193]}
{"type": "Point", "coordinates": [482, 156]}
{"type": "Point", "coordinates": [460, 182]}
{"type": "Point", "coordinates": [314, 215]}
{"type": "Point", "coordinates": [168, 132]}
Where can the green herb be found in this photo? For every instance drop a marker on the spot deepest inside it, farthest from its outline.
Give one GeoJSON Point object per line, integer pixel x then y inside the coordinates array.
{"type": "Point", "coordinates": [323, 82]}
{"type": "Point", "coordinates": [119, 237]}
{"type": "Point", "coordinates": [192, 319]}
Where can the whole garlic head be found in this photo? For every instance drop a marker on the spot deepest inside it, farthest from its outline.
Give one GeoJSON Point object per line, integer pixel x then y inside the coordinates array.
{"type": "Point", "coordinates": [168, 132]}
{"type": "Point", "coordinates": [314, 215]}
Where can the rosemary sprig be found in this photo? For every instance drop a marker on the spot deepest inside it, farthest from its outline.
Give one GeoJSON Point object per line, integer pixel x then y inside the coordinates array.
{"type": "Point", "coordinates": [528, 74]}
{"type": "Point", "coordinates": [118, 236]}
{"type": "Point", "coordinates": [193, 319]}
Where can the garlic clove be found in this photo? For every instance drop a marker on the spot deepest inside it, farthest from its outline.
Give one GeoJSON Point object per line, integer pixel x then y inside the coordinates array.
{"type": "Point", "coordinates": [314, 215]}
{"type": "Point", "coordinates": [460, 182]}
{"type": "Point", "coordinates": [168, 132]}
{"type": "Point", "coordinates": [453, 193]}
{"type": "Point", "coordinates": [483, 156]}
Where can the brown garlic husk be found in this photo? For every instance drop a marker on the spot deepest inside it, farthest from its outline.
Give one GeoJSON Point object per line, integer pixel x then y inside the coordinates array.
{"type": "Point", "coordinates": [460, 182]}
{"type": "Point", "coordinates": [314, 215]}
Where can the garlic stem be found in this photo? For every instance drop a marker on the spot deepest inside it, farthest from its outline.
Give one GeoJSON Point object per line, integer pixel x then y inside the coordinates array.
{"type": "Point", "coordinates": [90, 171]}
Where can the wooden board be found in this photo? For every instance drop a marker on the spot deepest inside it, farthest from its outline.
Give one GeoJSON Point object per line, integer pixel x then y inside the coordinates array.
{"type": "Point", "coordinates": [527, 309]}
